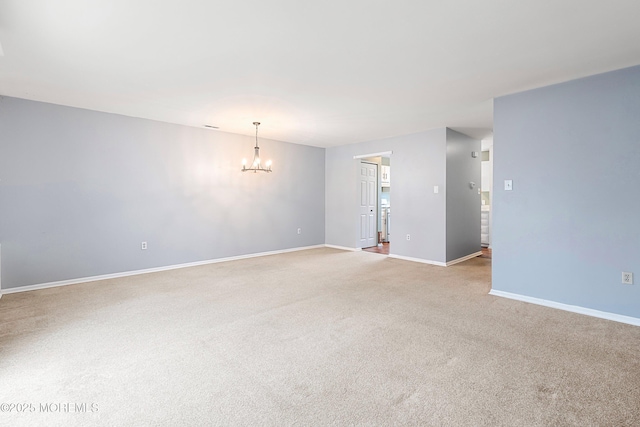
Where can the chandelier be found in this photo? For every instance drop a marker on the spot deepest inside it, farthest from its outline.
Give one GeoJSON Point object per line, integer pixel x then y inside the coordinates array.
{"type": "Point", "coordinates": [256, 165]}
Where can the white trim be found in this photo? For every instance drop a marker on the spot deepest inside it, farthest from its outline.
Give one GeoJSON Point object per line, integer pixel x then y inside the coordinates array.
{"type": "Point", "coordinates": [566, 307]}
{"type": "Point", "coordinates": [423, 261]}
{"type": "Point", "coordinates": [148, 270]}
{"type": "Point", "coordinates": [438, 263]}
{"type": "Point", "coordinates": [382, 154]}
{"type": "Point", "coordinates": [344, 248]}
{"type": "Point", "coordinates": [464, 258]}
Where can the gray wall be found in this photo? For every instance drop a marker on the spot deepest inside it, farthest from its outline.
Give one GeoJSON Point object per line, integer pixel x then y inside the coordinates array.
{"type": "Point", "coordinates": [570, 226]}
{"type": "Point", "coordinates": [79, 191]}
{"type": "Point", "coordinates": [419, 163]}
{"type": "Point", "coordinates": [463, 202]}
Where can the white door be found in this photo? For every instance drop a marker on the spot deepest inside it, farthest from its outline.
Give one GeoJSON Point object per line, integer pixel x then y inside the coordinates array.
{"type": "Point", "coordinates": [368, 204]}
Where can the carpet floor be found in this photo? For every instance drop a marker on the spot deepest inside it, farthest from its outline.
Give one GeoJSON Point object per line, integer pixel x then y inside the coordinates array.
{"type": "Point", "coordinates": [310, 338]}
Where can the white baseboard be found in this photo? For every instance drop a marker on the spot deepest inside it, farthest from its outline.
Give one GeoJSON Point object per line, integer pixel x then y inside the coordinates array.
{"type": "Point", "coordinates": [438, 263]}
{"type": "Point", "coordinates": [423, 261]}
{"type": "Point", "coordinates": [344, 248]}
{"type": "Point", "coordinates": [566, 307]}
{"type": "Point", "coordinates": [147, 270]}
{"type": "Point", "coordinates": [464, 258]}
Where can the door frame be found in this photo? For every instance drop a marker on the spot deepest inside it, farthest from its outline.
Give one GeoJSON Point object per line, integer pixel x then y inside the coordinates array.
{"type": "Point", "coordinates": [359, 158]}
{"type": "Point", "coordinates": [376, 205]}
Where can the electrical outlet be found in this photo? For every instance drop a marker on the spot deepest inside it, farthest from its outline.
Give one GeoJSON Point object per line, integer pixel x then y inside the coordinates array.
{"type": "Point", "coordinates": [627, 278]}
{"type": "Point", "coordinates": [299, 230]}
{"type": "Point", "coordinates": [408, 236]}
{"type": "Point", "coordinates": [143, 246]}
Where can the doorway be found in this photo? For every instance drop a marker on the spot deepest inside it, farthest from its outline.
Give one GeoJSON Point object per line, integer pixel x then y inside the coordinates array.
{"type": "Point", "coordinates": [384, 203]}
{"type": "Point", "coordinates": [375, 203]}
{"type": "Point", "coordinates": [368, 204]}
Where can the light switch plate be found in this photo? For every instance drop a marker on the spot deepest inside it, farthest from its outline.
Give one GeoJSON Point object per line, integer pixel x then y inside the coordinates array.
{"type": "Point", "coordinates": [435, 189]}
{"type": "Point", "coordinates": [508, 184]}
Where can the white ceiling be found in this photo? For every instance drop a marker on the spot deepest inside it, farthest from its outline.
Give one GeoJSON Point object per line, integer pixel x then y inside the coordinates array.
{"type": "Point", "coordinates": [321, 73]}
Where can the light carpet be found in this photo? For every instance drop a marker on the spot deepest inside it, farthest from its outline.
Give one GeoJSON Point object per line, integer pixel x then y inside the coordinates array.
{"type": "Point", "coordinates": [310, 338]}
